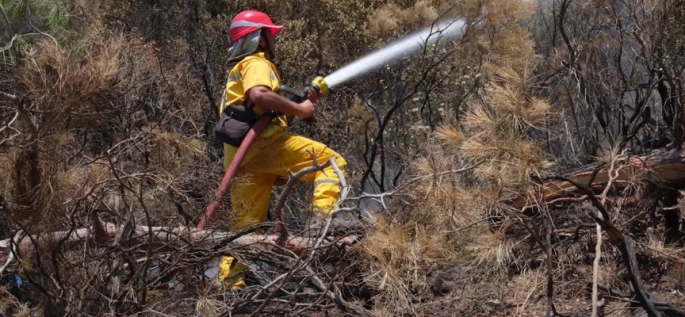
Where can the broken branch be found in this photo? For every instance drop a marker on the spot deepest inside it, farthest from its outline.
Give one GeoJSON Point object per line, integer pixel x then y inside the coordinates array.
{"type": "Point", "coordinates": [624, 243]}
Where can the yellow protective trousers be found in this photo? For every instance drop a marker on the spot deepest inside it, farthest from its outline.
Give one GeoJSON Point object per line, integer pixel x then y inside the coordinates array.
{"type": "Point", "coordinates": [272, 157]}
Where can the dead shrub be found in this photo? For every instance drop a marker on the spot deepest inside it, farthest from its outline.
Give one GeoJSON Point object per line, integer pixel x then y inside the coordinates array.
{"type": "Point", "coordinates": [391, 18]}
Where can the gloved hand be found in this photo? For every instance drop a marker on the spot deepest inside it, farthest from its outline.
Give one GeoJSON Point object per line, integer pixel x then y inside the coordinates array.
{"type": "Point", "coordinates": [306, 110]}
{"type": "Point", "coordinates": [313, 95]}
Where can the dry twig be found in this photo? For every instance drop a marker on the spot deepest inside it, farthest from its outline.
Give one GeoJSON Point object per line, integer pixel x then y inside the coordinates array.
{"type": "Point", "coordinates": [624, 243]}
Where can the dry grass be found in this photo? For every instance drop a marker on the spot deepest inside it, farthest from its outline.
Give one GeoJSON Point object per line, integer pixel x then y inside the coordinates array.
{"type": "Point", "coordinates": [434, 183]}
{"type": "Point", "coordinates": [392, 18]}
{"type": "Point", "coordinates": [526, 288]}
{"type": "Point", "coordinates": [9, 303]}
{"type": "Point", "coordinates": [492, 252]}
{"type": "Point", "coordinates": [617, 309]}
{"type": "Point", "coordinates": [398, 259]}
{"type": "Point", "coordinates": [658, 249]}
{"type": "Point", "coordinates": [209, 307]}
{"type": "Point", "coordinates": [66, 81]}
{"type": "Point", "coordinates": [449, 136]}
{"type": "Point", "coordinates": [174, 153]}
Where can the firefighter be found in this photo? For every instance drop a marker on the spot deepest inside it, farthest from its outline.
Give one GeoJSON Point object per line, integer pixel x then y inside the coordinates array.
{"type": "Point", "coordinates": [252, 87]}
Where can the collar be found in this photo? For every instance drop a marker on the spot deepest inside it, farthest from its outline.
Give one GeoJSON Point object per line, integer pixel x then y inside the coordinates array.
{"type": "Point", "coordinates": [260, 55]}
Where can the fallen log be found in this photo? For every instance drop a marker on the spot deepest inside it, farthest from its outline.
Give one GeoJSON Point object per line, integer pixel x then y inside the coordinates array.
{"type": "Point", "coordinates": [103, 232]}
{"type": "Point", "coordinates": [661, 167]}
{"type": "Point", "coordinates": [175, 238]}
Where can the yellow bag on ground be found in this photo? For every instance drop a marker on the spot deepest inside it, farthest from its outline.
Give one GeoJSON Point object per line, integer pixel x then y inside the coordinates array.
{"type": "Point", "coordinates": [232, 274]}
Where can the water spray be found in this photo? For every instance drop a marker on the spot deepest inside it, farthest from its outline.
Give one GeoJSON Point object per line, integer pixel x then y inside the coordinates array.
{"type": "Point", "coordinates": [445, 30]}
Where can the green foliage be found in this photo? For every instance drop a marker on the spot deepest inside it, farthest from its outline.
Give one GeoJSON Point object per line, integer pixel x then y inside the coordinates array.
{"type": "Point", "coordinates": [52, 13]}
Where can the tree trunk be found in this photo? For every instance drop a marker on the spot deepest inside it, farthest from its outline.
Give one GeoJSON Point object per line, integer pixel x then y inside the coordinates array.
{"type": "Point", "coordinates": [671, 213]}
{"type": "Point", "coordinates": [666, 167]}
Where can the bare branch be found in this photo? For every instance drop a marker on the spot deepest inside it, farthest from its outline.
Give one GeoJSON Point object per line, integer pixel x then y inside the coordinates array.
{"type": "Point", "coordinates": [624, 243]}
{"type": "Point", "coordinates": [9, 124]}
{"type": "Point", "coordinates": [8, 95]}
{"type": "Point", "coordinates": [292, 178]}
{"type": "Point", "coordinates": [13, 250]}
{"type": "Point", "coordinates": [163, 235]}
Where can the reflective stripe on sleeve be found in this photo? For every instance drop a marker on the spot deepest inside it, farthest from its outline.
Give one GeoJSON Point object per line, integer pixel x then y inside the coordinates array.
{"type": "Point", "coordinates": [327, 181]}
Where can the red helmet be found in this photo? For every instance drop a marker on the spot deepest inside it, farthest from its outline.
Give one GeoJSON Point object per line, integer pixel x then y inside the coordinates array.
{"type": "Point", "coordinates": [249, 21]}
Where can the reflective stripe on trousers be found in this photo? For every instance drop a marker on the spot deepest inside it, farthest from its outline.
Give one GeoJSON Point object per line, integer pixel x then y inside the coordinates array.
{"type": "Point", "coordinates": [273, 157]}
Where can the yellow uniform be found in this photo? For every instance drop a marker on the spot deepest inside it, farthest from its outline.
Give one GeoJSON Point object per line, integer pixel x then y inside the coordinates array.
{"type": "Point", "coordinates": [274, 152]}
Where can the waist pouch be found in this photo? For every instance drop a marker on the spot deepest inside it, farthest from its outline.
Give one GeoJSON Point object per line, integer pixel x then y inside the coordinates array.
{"type": "Point", "coordinates": [235, 122]}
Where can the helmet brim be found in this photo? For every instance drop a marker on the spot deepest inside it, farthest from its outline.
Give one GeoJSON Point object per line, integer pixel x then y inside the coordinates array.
{"type": "Point", "coordinates": [274, 29]}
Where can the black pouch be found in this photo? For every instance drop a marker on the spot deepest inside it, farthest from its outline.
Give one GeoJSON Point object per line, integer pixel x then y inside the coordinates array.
{"type": "Point", "coordinates": [234, 124]}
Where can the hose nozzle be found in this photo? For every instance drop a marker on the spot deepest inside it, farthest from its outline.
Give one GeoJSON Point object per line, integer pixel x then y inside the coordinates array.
{"type": "Point", "coordinates": [320, 85]}
{"type": "Point", "coordinates": [317, 84]}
